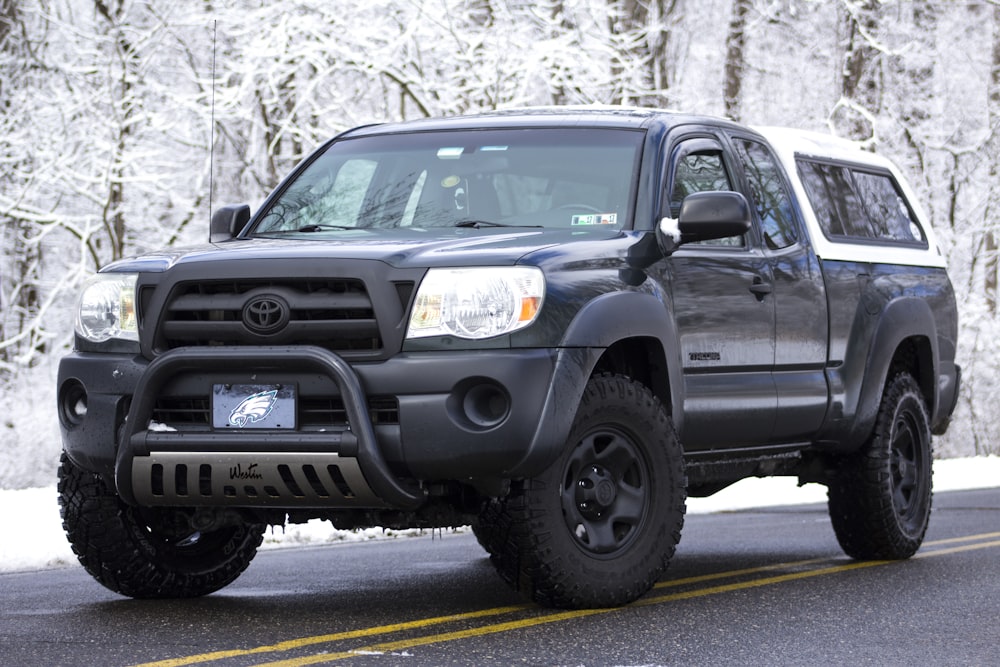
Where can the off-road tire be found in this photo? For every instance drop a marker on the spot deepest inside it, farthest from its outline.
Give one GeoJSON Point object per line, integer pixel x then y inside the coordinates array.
{"type": "Point", "coordinates": [491, 527]}
{"type": "Point", "coordinates": [880, 498]}
{"type": "Point", "coordinates": [599, 527]}
{"type": "Point", "coordinates": [148, 552]}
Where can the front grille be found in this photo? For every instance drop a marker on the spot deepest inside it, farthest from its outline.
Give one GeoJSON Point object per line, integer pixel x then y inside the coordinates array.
{"type": "Point", "coordinates": [336, 314]}
{"type": "Point", "coordinates": [324, 411]}
{"type": "Point", "coordinates": [330, 410]}
{"type": "Point", "coordinates": [183, 411]}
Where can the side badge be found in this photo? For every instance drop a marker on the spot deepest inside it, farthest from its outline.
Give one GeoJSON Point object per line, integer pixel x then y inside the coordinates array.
{"type": "Point", "coordinates": [253, 408]}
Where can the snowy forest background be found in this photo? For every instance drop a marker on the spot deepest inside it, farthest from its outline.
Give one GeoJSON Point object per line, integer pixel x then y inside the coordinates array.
{"type": "Point", "coordinates": [106, 111]}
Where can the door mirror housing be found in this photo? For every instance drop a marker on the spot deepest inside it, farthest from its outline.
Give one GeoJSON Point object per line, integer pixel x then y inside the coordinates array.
{"type": "Point", "coordinates": [705, 216]}
{"type": "Point", "coordinates": [228, 222]}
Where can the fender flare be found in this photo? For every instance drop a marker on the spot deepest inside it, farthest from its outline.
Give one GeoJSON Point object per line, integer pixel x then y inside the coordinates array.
{"type": "Point", "coordinates": [901, 319]}
{"type": "Point", "coordinates": [600, 323]}
{"type": "Point", "coordinates": [634, 315]}
{"type": "Point", "coordinates": [617, 316]}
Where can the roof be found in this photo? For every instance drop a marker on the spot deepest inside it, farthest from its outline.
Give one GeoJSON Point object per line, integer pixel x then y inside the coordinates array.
{"type": "Point", "coordinates": [561, 116]}
{"type": "Point", "coordinates": [819, 145]}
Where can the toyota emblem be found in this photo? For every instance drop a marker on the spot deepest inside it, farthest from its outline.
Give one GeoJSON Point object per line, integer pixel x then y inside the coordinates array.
{"type": "Point", "coordinates": [266, 314]}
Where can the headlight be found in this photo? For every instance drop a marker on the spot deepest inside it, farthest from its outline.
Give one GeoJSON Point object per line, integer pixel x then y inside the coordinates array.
{"type": "Point", "coordinates": [107, 308]}
{"type": "Point", "coordinates": [476, 303]}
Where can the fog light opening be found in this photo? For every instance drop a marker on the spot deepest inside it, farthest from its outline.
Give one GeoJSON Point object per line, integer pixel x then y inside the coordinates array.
{"type": "Point", "coordinates": [486, 405]}
{"type": "Point", "coordinates": [73, 403]}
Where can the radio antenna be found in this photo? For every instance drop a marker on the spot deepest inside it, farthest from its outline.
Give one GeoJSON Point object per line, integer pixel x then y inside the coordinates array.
{"type": "Point", "coordinates": [211, 147]}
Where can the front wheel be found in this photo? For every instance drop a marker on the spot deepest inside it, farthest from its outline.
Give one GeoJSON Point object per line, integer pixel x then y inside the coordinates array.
{"type": "Point", "coordinates": [598, 528]}
{"type": "Point", "coordinates": [148, 552]}
{"type": "Point", "coordinates": [880, 499]}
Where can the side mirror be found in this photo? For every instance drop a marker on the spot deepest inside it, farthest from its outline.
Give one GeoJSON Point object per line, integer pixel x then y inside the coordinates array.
{"type": "Point", "coordinates": [705, 216]}
{"type": "Point", "coordinates": [227, 222]}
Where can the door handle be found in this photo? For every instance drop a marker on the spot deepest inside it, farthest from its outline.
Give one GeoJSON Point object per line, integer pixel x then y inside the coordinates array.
{"type": "Point", "coordinates": [760, 289]}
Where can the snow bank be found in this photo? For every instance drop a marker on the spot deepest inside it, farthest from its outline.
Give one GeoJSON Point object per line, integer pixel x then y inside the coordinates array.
{"type": "Point", "coordinates": [32, 536]}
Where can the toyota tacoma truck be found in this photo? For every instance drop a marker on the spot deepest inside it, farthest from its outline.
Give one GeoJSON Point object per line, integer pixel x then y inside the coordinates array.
{"type": "Point", "coordinates": [553, 325]}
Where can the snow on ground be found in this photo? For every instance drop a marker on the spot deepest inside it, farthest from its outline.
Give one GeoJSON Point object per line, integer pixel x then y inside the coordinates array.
{"type": "Point", "coordinates": [31, 536]}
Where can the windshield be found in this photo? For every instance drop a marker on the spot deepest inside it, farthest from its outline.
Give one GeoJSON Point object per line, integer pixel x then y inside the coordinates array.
{"type": "Point", "coordinates": [566, 178]}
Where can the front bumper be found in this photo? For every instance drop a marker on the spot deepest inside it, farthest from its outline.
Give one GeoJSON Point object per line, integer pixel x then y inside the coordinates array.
{"type": "Point", "coordinates": [462, 415]}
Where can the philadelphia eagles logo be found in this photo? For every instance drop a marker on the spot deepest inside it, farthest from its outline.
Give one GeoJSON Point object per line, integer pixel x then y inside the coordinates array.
{"type": "Point", "coordinates": [253, 408]}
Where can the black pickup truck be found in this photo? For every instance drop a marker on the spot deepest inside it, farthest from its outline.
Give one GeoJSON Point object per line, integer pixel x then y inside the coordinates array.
{"type": "Point", "coordinates": [553, 325]}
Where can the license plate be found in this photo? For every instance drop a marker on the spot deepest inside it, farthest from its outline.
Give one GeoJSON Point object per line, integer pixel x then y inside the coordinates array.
{"type": "Point", "coordinates": [246, 406]}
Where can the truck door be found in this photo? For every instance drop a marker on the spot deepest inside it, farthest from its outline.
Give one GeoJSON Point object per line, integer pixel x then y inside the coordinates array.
{"type": "Point", "coordinates": [724, 313]}
{"type": "Point", "coordinates": [797, 292]}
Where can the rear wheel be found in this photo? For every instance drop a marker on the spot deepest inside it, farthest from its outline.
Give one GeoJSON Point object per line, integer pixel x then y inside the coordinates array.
{"type": "Point", "coordinates": [880, 500]}
{"type": "Point", "coordinates": [598, 528]}
{"type": "Point", "coordinates": [148, 552]}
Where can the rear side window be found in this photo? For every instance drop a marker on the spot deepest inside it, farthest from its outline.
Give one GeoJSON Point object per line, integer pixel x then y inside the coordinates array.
{"type": "Point", "coordinates": [887, 210]}
{"type": "Point", "coordinates": [853, 204]}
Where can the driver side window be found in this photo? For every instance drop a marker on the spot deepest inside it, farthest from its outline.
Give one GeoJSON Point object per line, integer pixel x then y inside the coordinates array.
{"type": "Point", "coordinates": [700, 168]}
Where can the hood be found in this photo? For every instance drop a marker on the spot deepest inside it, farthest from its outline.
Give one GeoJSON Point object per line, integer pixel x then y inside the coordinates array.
{"type": "Point", "coordinates": [400, 248]}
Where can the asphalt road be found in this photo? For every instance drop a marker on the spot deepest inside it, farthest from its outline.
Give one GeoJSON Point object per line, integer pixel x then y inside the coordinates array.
{"type": "Point", "coordinates": [765, 587]}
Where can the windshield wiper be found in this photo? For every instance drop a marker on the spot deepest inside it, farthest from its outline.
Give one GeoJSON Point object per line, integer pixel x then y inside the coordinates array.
{"type": "Point", "coordinates": [320, 228]}
{"type": "Point", "coordinates": [478, 224]}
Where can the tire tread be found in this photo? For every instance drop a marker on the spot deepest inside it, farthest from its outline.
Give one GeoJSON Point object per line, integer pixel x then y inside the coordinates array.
{"type": "Point", "coordinates": [97, 524]}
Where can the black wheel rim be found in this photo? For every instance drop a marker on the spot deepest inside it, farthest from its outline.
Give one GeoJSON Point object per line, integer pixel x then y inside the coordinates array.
{"type": "Point", "coordinates": [606, 492]}
{"type": "Point", "coordinates": [907, 465]}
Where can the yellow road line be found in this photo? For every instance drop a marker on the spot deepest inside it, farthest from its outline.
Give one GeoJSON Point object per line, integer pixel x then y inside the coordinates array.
{"type": "Point", "coordinates": [292, 644]}
{"type": "Point", "coordinates": [728, 574]}
{"type": "Point", "coordinates": [965, 538]}
{"type": "Point", "coordinates": [955, 550]}
{"type": "Point", "coordinates": [437, 620]}
{"type": "Point", "coordinates": [388, 647]}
